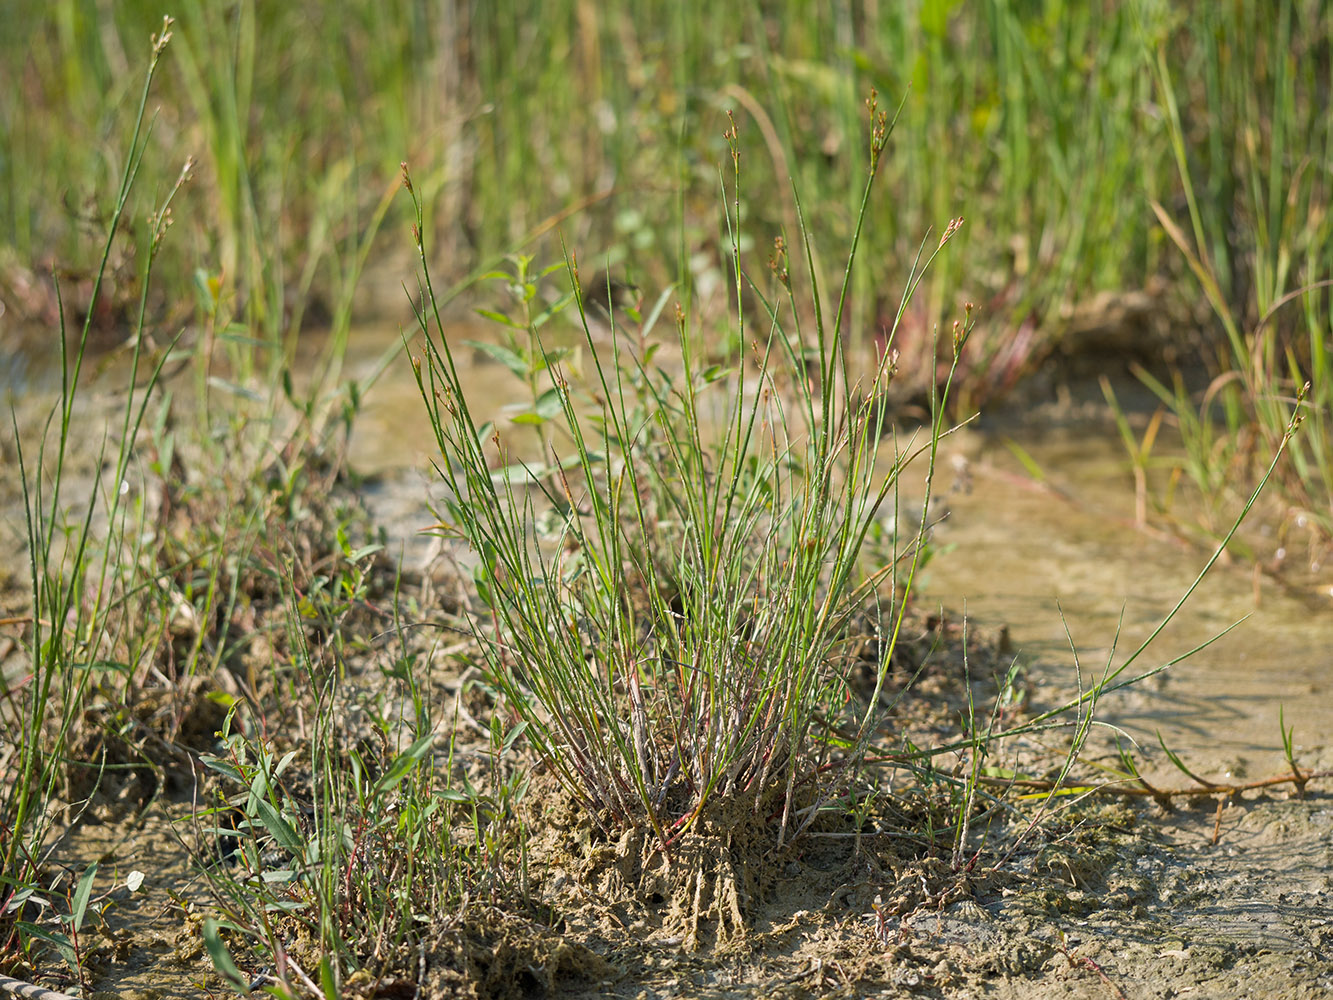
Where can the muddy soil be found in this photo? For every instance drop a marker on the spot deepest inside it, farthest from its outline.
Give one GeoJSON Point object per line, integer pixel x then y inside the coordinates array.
{"type": "Point", "coordinates": [1106, 897]}
{"type": "Point", "coordinates": [1222, 895]}
{"type": "Point", "coordinates": [1117, 902]}
{"type": "Point", "coordinates": [1144, 907]}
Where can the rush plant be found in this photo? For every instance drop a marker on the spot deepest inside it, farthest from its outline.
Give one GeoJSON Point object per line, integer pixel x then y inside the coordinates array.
{"type": "Point", "coordinates": [665, 602]}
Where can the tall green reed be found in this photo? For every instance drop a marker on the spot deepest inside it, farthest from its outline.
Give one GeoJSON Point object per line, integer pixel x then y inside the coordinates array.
{"type": "Point", "coordinates": [1256, 238]}
{"type": "Point", "coordinates": [1048, 123]}
{"type": "Point", "coordinates": [292, 186]}
{"type": "Point", "coordinates": [1041, 121]}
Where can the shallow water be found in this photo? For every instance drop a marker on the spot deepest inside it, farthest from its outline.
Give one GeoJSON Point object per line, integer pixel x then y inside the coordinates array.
{"type": "Point", "coordinates": [1042, 561]}
{"type": "Point", "coordinates": [391, 431]}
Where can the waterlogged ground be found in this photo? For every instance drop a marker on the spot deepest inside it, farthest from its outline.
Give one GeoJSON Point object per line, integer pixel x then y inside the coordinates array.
{"type": "Point", "coordinates": [1218, 895]}
{"type": "Point", "coordinates": [1063, 563]}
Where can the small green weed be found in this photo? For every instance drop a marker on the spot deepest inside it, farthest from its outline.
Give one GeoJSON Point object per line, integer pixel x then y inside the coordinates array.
{"type": "Point", "coordinates": [83, 579]}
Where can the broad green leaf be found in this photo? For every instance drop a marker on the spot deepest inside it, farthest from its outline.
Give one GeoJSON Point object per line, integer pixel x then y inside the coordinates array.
{"type": "Point", "coordinates": [221, 957]}
{"type": "Point", "coordinates": [285, 762]}
{"type": "Point", "coordinates": [82, 894]}
{"type": "Point", "coordinates": [222, 698]}
{"type": "Point", "coordinates": [499, 317]}
{"type": "Point", "coordinates": [404, 763]}
{"type": "Point", "coordinates": [279, 828]}
{"type": "Point", "coordinates": [550, 402]}
{"type": "Point", "coordinates": [713, 373]}
{"type": "Point", "coordinates": [58, 940]}
{"type": "Point", "coordinates": [223, 767]}
{"type": "Point", "coordinates": [364, 551]}
{"type": "Point", "coordinates": [559, 305]}
{"type": "Point", "coordinates": [496, 352]}
{"type": "Point", "coordinates": [513, 734]}
{"type": "Point", "coordinates": [287, 906]}
{"type": "Point", "coordinates": [528, 418]}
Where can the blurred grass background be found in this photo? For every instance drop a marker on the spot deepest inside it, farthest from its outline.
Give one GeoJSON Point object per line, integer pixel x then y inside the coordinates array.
{"type": "Point", "coordinates": [1052, 125]}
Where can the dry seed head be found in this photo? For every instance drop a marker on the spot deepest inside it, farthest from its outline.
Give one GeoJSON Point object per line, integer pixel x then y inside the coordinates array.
{"type": "Point", "coordinates": [407, 177]}
{"type": "Point", "coordinates": [777, 263]}
{"type": "Point", "coordinates": [879, 129]}
{"type": "Point", "coordinates": [1298, 413]}
{"type": "Point", "coordinates": [158, 226]}
{"type": "Point", "coordinates": [953, 227]}
{"type": "Point", "coordinates": [160, 41]}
